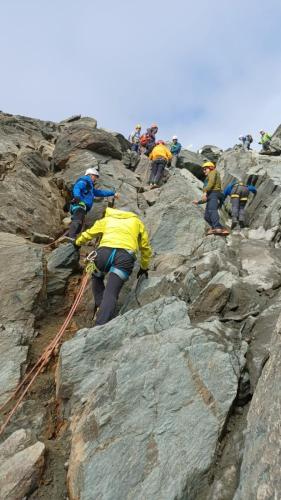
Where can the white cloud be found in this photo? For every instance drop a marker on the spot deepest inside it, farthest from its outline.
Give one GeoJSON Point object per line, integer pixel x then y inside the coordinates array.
{"type": "Point", "coordinates": [205, 71]}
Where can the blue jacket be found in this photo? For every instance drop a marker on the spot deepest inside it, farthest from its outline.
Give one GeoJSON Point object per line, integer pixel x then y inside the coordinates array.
{"type": "Point", "coordinates": [228, 189]}
{"type": "Point", "coordinates": [84, 192]}
{"type": "Point", "coordinates": [175, 148]}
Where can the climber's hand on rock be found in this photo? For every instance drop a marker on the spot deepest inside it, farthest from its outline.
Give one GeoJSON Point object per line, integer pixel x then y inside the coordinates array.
{"type": "Point", "coordinates": [195, 202]}
{"type": "Point", "coordinates": [117, 196]}
{"type": "Point", "coordinates": [204, 197]}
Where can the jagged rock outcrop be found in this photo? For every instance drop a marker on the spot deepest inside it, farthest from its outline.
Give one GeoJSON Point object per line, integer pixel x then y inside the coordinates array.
{"type": "Point", "coordinates": [212, 153]}
{"type": "Point", "coordinates": [192, 162]}
{"type": "Point", "coordinates": [29, 199]}
{"type": "Point", "coordinates": [79, 136]}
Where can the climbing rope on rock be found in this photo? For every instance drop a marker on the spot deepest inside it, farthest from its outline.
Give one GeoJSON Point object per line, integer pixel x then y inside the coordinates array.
{"type": "Point", "coordinates": [30, 377]}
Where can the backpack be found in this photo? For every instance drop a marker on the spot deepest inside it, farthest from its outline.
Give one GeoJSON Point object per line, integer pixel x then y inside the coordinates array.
{"type": "Point", "coordinates": [240, 190]}
{"type": "Point", "coordinates": [68, 192]}
{"type": "Point", "coordinates": [250, 139]}
{"type": "Point", "coordinates": [144, 139]}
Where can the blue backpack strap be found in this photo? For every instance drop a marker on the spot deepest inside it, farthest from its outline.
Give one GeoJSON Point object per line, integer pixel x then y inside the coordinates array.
{"type": "Point", "coordinates": [110, 260]}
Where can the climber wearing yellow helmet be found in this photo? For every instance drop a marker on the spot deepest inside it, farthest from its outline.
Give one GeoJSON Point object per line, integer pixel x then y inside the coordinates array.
{"type": "Point", "coordinates": [213, 197]}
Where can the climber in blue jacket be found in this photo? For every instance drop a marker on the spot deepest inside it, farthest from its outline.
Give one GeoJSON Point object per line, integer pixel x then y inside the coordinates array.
{"type": "Point", "coordinates": [239, 194]}
{"type": "Point", "coordinates": [84, 193]}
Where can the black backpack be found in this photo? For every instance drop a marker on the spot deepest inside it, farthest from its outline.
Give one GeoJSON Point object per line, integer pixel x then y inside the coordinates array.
{"type": "Point", "coordinates": [240, 190]}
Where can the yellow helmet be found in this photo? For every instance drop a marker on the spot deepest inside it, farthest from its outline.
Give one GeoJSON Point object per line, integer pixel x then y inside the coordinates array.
{"type": "Point", "coordinates": [209, 164]}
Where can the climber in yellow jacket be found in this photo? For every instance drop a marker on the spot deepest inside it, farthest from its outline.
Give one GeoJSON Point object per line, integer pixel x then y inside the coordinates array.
{"type": "Point", "coordinates": [123, 234]}
{"type": "Point", "coordinates": [160, 156]}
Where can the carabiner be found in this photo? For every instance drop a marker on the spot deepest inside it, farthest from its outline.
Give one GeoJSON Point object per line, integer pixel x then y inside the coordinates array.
{"type": "Point", "coordinates": [91, 256]}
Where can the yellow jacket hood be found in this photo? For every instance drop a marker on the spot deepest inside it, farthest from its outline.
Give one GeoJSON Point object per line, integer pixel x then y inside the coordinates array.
{"type": "Point", "coordinates": [119, 214]}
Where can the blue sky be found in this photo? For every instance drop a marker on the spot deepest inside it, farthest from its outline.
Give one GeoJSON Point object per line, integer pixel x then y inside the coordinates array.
{"type": "Point", "coordinates": [206, 71]}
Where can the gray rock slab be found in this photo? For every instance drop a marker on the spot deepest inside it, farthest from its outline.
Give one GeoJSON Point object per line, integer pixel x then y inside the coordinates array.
{"type": "Point", "coordinates": [21, 465]}
{"type": "Point", "coordinates": [61, 263]}
{"type": "Point", "coordinates": [21, 286]}
{"type": "Point", "coordinates": [146, 403]}
{"type": "Point", "coordinates": [192, 162]}
{"type": "Point", "coordinates": [85, 136]}
{"type": "Point", "coordinates": [260, 471]}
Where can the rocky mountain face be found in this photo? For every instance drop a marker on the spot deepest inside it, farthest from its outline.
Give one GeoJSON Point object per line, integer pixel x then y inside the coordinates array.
{"type": "Point", "coordinates": [176, 398]}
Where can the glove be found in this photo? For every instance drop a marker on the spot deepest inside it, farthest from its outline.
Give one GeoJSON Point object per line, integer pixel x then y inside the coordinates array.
{"type": "Point", "coordinates": [141, 272]}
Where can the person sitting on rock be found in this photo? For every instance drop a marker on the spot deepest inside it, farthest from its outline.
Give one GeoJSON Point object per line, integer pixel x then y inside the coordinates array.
{"type": "Point", "coordinates": [175, 150]}
{"type": "Point", "coordinates": [239, 193]}
{"type": "Point", "coordinates": [213, 197]}
{"type": "Point", "coordinates": [160, 156]}
{"type": "Point", "coordinates": [246, 141]}
{"type": "Point", "coordinates": [123, 235]}
{"type": "Point", "coordinates": [265, 140]}
{"type": "Point", "coordinates": [84, 193]}
{"type": "Point", "coordinates": [134, 138]}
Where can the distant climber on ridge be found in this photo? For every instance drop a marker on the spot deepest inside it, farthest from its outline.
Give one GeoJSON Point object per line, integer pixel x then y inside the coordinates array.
{"type": "Point", "coordinates": [123, 235]}
{"type": "Point", "coordinates": [175, 150]}
{"type": "Point", "coordinates": [239, 194]}
{"type": "Point", "coordinates": [265, 140]}
{"type": "Point", "coordinates": [84, 193]}
{"type": "Point", "coordinates": [160, 156]}
{"type": "Point", "coordinates": [213, 197]}
{"type": "Point", "coordinates": [246, 141]}
{"type": "Point", "coordinates": [134, 138]}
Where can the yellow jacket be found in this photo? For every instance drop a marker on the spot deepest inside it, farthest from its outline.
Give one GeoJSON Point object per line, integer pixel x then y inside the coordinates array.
{"type": "Point", "coordinates": [160, 151]}
{"type": "Point", "coordinates": [120, 230]}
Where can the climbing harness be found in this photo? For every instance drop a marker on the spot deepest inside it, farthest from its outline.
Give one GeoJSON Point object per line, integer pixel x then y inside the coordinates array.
{"type": "Point", "coordinates": [241, 191]}
{"type": "Point", "coordinates": [91, 267]}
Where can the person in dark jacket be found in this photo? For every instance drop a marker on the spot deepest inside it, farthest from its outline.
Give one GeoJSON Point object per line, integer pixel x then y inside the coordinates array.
{"type": "Point", "coordinates": [239, 193]}
{"type": "Point", "coordinates": [84, 193]}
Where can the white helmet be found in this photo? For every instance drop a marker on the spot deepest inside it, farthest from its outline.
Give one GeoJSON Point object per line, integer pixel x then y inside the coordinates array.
{"type": "Point", "coordinates": [92, 171]}
{"type": "Point", "coordinates": [175, 138]}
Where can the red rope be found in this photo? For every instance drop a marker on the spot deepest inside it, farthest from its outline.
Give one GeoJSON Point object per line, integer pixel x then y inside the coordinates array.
{"type": "Point", "coordinates": [44, 358]}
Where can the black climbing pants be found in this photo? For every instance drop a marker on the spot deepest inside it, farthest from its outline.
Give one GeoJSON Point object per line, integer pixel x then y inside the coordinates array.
{"type": "Point", "coordinates": [77, 221]}
{"type": "Point", "coordinates": [157, 170]}
{"type": "Point", "coordinates": [106, 296]}
{"type": "Point", "coordinates": [238, 209]}
{"type": "Point", "coordinates": [211, 212]}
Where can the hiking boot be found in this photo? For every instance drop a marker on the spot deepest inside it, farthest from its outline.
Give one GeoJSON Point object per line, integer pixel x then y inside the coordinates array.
{"type": "Point", "coordinates": [234, 224]}
{"type": "Point", "coordinates": [241, 224]}
{"type": "Point", "coordinates": [221, 231]}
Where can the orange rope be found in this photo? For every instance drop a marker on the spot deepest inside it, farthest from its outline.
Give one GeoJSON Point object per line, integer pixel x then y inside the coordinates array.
{"type": "Point", "coordinates": [45, 357]}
